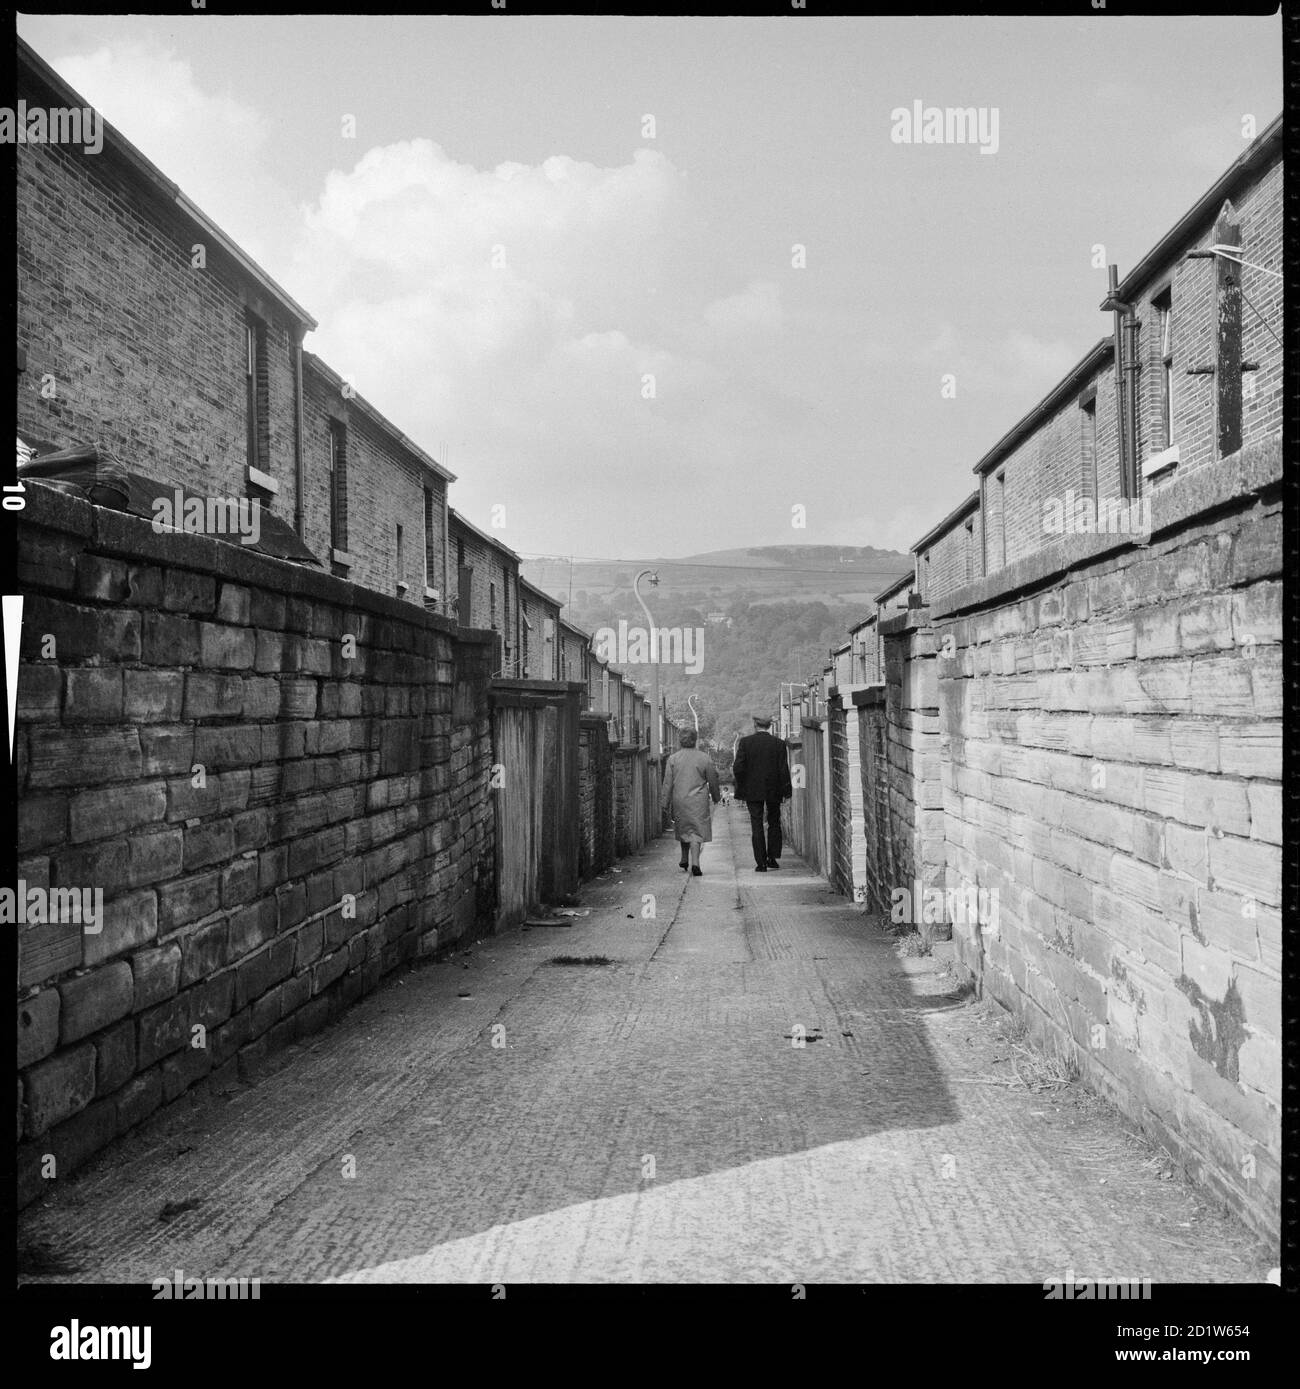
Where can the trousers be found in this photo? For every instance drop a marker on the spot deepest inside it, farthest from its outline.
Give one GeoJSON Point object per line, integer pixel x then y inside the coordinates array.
{"type": "Point", "coordinates": [771, 847]}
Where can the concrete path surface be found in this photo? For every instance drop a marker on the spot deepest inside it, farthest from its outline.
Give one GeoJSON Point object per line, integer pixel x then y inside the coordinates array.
{"type": "Point", "coordinates": [648, 1116]}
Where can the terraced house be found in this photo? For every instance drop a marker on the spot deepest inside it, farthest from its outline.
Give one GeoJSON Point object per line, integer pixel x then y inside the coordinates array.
{"type": "Point", "coordinates": [1080, 709]}
{"type": "Point", "coordinates": [269, 754]}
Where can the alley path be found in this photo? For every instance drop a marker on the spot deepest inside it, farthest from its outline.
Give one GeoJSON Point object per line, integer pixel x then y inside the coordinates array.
{"type": "Point", "coordinates": [648, 1119]}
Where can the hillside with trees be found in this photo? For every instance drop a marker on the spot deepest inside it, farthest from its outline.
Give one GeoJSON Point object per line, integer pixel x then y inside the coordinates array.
{"type": "Point", "coordinates": [763, 616]}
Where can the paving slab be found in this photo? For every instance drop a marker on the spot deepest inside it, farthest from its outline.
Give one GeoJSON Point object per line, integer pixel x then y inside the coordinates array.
{"type": "Point", "coordinates": [752, 1084]}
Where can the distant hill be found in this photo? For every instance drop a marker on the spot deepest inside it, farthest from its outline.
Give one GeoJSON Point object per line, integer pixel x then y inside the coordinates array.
{"type": "Point", "coordinates": [767, 614]}
{"type": "Point", "coordinates": [826, 573]}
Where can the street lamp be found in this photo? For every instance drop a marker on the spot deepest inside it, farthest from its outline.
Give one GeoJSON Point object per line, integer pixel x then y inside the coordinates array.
{"type": "Point", "coordinates": [657, 746]}
{"type": "Point", "coordinates": [690, 704]}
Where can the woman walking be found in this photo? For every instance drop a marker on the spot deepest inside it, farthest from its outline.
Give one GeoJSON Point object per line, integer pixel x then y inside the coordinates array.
{"type": "Point", "coordinates": [690, 791]}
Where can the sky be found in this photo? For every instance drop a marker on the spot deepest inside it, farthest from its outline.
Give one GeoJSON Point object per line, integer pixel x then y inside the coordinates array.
{"type": "Point", "coordinates": [562, 253]}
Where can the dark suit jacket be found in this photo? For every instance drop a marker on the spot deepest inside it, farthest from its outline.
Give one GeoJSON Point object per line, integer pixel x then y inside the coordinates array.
{"type": "Point", "coordinates": [762, 769]}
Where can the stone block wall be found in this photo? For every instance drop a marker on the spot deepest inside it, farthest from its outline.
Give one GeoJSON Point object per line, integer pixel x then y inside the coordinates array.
{"type": "Point", "coordinates": [278, 780]}
{"type": "Point", "coordinates": [1112, 742]}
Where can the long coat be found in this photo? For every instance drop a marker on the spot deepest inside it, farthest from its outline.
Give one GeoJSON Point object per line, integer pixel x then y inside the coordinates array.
{"type": "Point", "coordinates": [691, 790]}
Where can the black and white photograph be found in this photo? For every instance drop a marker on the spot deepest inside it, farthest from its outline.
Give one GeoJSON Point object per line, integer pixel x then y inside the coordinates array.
{"type": "Point", "coordinates": [644, 660]}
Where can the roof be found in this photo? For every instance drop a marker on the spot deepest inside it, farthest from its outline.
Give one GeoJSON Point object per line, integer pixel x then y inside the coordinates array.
{"type": "Point", "coordinates": [1074, 380]}
{"type": "Point", "coordinates": [540, 592]}
{"type": "Point", "coordinates": [324, 369]}
{"type": "Point", "coordinates": [970, 504]}
{"type": "Point", "coordinates": [573, 627]}
{"type": "Point", "coordinates": [1204, 210]}
{"type": "Point", "coordinates": [166, 190]}
{"type": "Point", "coordinates": [457, 519]}
{"type": "Point", "coordinates": [900, 583]}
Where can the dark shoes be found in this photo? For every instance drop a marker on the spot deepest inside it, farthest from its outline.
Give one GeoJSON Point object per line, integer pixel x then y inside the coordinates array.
{"type": "Point", "coordinates": [772, 863]}
{"type": "Point", "coordinates": [695, 873]}
{"type": "Point", "coordinates": [760, 868]}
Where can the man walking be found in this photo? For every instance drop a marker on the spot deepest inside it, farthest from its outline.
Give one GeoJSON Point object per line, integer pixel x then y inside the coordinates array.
{"type": "Point", "coordinates": [762, 771]}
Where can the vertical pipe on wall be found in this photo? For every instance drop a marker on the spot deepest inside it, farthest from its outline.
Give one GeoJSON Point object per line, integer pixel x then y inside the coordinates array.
{"type": "Point", "coordinates": [299, 510]}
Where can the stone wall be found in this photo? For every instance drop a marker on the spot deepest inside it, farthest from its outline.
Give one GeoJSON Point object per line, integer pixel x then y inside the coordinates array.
{"type": "Point", "coordinates": [1112, 740]}
{"type": "Point", "coordinates": [278, 780]}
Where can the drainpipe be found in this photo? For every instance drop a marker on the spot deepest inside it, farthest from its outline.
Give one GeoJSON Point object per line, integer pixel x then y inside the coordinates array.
{"type": "Point", "coordinates": [299, 509]}
{"type": "Point", "coordinates": [1125, 381]}
{"type": "Point", "coordinates": [446, 547]}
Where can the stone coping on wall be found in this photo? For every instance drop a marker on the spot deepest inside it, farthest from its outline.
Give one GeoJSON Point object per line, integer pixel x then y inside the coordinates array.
{"type": "Point", "coordinates": [910, 621]}
{"type": "Point", "coordinates": [529, 693]}
{"type": "Point", "coordinates": [1227, 482]}
{"type": "Point", "coordinates": [869, 695]}
{"type": "Point", "coordinates": [110, 532]}
{"type": "Point", "coordinates": [812, 723]}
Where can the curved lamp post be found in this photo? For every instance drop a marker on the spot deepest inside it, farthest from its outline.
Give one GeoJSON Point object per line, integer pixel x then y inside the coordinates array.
{"type": "Point", "coordinates": [655, 744]}
{"type": "Point", "coordinates": [690, 704]}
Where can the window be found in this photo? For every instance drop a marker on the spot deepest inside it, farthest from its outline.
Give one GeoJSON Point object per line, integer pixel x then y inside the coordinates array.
{"type": "Point", "coordinates": [492, 606]}
{"type": "Point", "coordinates": [256, 387]}
{"type": "Point", "coordinates": [1088, 445]}
{"type": "Point", "coordinates": [430, 568]}
{"type": "Point", "coordinates": [338, 451]}
{"type": "Point", "coordinates": [968, 550]}
{"type": "Point", "coordinates": [401, 560]}
{"type": "Point", "coordinates": [1164, 307]}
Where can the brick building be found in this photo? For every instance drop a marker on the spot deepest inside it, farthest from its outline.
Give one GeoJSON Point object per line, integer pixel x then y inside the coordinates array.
{"type": "Point", "coordinates": [540, 621]}
{"type": "Point", "coordinates": [575, 656]}
{"type": "Point", "coordinates": [1073, 710]}
{"type": "Point", "coordinates": [487, 588]}
{"type": "Point", "coordinates": [143, 328]}
{"type": "Point", "coordinates": [1071, 445]}
{"type": "Point", "coordinates": [376, 503]}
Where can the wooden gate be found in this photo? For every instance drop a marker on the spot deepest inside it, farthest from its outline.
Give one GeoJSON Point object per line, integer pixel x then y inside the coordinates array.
{"type": "Point", "coordinates": [535, 793]}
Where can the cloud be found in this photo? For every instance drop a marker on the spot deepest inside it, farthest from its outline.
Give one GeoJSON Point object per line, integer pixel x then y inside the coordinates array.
{"type": "Point", "coordinates": [757, 307]}
{"type": "Point", "coordinates": [209, 143]}
{"type": "Point", "coordinates": [1017, 364]}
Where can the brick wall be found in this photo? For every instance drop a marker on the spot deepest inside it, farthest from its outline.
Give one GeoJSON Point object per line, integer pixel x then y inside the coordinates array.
{"type": "Point", "coordinates": [848, 839]}
{"type": "Point", "coordinates": [879, 875]}
{"type": "Point", "coordinates": [275, 821]}
{"type": "Point", "coordinates": [1053, 458]}
{"type": "Point", "coordinates": [1112, 738]}
{"type": "Point", "coordinates": [573, 660]}
{"type": "Point", "coordinates": [540, 654]}
{"type": "Point", "coordinates": [129, 343]}
{"type": "Point", "coordinates": [596, 797]}
{"type": "Point", "coordinates": [386, 486]}
{"type": "Point", "coordinates": [494, 569]}
{"type": "Point", "coordinates": [915, 825]}
{"type": "Point", "coordinates": [953, 558]}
